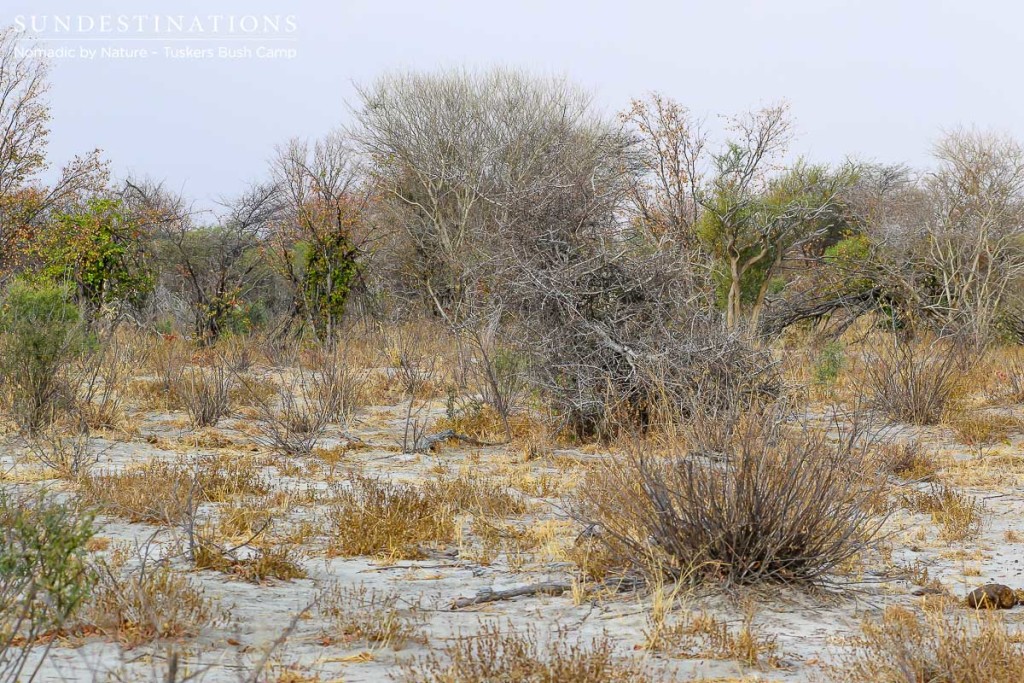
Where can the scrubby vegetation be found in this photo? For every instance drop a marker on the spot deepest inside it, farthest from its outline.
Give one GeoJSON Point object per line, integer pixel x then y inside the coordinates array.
{"type": "Point", "coordinates": [487, 345]}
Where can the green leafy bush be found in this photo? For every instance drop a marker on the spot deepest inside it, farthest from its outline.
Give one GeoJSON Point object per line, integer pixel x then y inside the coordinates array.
{"type": "Point", "coordinates": [40, 337]}
{"type": "Point", "coordinates": [44, 576]}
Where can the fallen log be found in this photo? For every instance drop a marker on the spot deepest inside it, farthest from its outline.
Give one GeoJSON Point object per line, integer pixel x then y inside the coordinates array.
{"type": "Point", "coordinates": [491, 595]}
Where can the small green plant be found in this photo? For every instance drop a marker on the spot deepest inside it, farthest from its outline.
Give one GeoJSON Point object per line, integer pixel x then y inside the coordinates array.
{"type": "Point", "coordinates": [830, 363]}
{"type": "Point", "coordinates": [40, 337]}
{"type": "Point", "coordinates": [44, 578]}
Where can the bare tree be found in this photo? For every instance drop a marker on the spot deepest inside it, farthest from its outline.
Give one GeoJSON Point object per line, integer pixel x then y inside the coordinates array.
{"type": "Point", "coordinates": [944, 249]}
{"type": "Point", "coordinates": [976, 239]}
{"type": "Point", "coordinates": [674, 157]}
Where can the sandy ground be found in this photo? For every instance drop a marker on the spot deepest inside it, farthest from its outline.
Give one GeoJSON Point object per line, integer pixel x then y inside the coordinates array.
{"type": "Point", "coordinates": [812, 628]}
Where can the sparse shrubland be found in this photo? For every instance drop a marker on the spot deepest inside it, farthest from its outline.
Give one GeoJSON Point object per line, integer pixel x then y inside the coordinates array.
{"type": "Point", "coordinates": [488, 344]}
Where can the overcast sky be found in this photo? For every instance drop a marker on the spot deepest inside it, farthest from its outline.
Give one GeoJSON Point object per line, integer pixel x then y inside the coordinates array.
{"type": "Point", "coordinates": [874, 79]}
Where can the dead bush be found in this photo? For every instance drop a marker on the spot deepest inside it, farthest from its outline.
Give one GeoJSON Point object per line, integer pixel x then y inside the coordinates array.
{"type": "Point", "coordinates": [906, 646]}
{"type": "Point", "coordinates": [168, 355]}
{"type": "Point", "coordinates": [782, 503]}
{"type": "Point", "coordinates": [205, 393]}
{"type": "Point", "coordinates": [517, 654]}
{"type": "Point", "coordinates": [104, 373]}
{"type": "Point", "coordinates": [917, 383]}
{"type": "Point", "coordinates": [296, 417]}
{"type": "Point", "coordinates": [63, 448]}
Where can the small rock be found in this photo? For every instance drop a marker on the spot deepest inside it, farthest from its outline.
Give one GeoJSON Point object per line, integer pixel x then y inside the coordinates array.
{"type": "Point", "coordinates": [991, 596]}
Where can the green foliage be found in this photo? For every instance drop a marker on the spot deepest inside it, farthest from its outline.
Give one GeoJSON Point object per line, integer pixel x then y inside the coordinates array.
{"type": "Point", "coordinates": [40, 336]}
{"type": "Point", "coordinates": [331, 268]}
{"type": "Point", "coordinates": [44, 577]}
{"type": "Point", "coordinates": [98, 248]}
{"type": "Point", "coordinates": [829, 364]}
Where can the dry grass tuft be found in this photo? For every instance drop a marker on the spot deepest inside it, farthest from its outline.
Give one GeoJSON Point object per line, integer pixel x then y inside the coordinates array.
{"type": "Point", "coordinates": [148, 603]}
{"type": "Point", "coordinates": [376, 517]}
{"type": "Point", "coordinates": [700, 635]}
{"type": "Point", "coordinates": [166, 492]}
{"type": "Point", "coordinates": [494, 655]}
{"type": "Point", "coordinates": [984, 429]}
{"type": "Point", "coordinates": [959, 514]}
{"type": "Point", "coordinates": [941, 645]}
{"type": "Point", "coordinates": [908, 460]}
{"type": "Point", "coordinates": [372, 516]}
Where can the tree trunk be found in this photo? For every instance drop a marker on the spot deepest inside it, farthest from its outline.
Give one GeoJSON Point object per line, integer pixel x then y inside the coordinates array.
{"type": "Point", "coordinates": [733, 310]}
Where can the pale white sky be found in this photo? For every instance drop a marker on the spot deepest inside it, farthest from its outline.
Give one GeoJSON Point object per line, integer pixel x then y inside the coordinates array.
{"type": "Point", "coordinates": [875, 79]}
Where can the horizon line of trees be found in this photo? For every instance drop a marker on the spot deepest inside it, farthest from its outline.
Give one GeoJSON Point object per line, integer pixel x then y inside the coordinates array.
{"type": "Point", "coordinates": [497, 195]}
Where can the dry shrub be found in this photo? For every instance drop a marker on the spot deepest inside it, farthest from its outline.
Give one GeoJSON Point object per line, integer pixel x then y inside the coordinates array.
{"type": "Point", "coordinates": [63, 448]}
{"type": "Point", "coordinates": [917, 383]}
{"type": "Point", "coordinates": [105, 371]}
{"type": "Point", "coordinates": [959, 514]}
{"type": "Point", "coordinates": [167, 358]}
{"type": "Point", "coordinates": [376, 517]}
{"type": "Point", "coordinates": [305, 403]}
{"type": "Point", "coordinates": [940, 645]}
{"type": "Point", "coordinates": [148, 603]}
{"type": "Point", "coordinates": [205, 393]}
{"type": "Point", "coordinates": [239, 352]}
{"type": "Point", "coordinates": [779, 504]}
{"type": "Point", "coordinates": [517, 655]}
{"type": "Point", "coordinates": [908, 460]}
{"type": "Point", "coordinates": [377, 617]}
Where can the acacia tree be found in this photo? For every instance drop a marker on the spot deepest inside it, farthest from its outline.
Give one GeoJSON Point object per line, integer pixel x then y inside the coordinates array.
{"type": "Point", "coordinates": [754, 211]}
